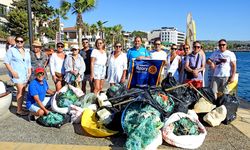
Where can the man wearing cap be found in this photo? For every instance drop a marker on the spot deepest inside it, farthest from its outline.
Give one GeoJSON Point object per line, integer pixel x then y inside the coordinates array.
{"type": "Point", "coordinates": [36, 101]}
{"type": "Point", "coordinates": [74, 67]}
{"type": "Point", "coordinates": [38, 58]}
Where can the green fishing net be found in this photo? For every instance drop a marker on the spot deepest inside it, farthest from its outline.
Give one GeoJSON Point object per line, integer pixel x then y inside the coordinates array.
{"type": "Point", "coordinates": [142, 124]}
{"type": "Point", "coordinates": [88, 99]}
{"type": "Point", "coordinates": [67, 98]}
{"type": "Point", "coordinates": [165, 101]}
{"type": "Point", "coordinates": [51, 119]}
{"type": "Point", "coordinates": [185, 126]}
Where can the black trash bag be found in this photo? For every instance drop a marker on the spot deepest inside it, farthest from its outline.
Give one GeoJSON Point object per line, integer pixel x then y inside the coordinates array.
{"type": "Point", "coordinates": [125, 95]}
{"type": "Point", "coordinates": [115, 124]}
{"type": "Point", "coordinates": [115, 90]}
{"type": "Point", "coordinates": [53, 119]}
{"type": "Point", "coordinates": [168, 82]}
{"type": "Point", "coordinates": [208, 93]}
{"type": "Point", "coordinates": [184, 99]}
{"type": "Point", "coordinates": [232, 103]}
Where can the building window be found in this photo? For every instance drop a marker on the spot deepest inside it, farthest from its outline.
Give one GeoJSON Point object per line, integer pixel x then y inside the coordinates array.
{"type": "Point", "coordinates": [3, 10]}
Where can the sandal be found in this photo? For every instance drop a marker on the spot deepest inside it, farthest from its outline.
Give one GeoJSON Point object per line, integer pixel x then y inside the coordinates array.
{"type": "Point", "coordinates": [22, 113]}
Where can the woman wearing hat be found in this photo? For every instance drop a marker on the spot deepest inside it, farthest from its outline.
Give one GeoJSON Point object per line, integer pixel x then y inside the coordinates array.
{"type": "Point", "coordinates": [17, 61]}
{"type": "Point", "coordinates": [38, 58]}
{"type": "Point", "coordinates": [36, 101]}
{"type": "Point", "coordinates": [74, 67]}
{"type": "Point", "coordinates": [56, 64]}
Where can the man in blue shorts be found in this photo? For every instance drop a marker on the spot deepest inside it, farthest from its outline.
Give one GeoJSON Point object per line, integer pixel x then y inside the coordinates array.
{"type": "Point", "coordinates": [36, 101]}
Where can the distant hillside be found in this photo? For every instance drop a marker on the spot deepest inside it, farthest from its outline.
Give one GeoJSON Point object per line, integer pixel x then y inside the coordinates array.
{"type": "Point", "coordinates": [234, 45]}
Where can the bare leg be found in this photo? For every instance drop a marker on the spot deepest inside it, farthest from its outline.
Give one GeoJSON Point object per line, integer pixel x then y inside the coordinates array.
{"type": "Point", "coordinates": [84, 86]}
{"type": "Point", "coordinates": [97, 87]}
{"type": "Point", "coordinates": [19, 96]}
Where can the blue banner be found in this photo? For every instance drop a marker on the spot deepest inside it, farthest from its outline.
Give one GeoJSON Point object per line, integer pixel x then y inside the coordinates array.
{"type": "Point", "coordinates": [145, 73]}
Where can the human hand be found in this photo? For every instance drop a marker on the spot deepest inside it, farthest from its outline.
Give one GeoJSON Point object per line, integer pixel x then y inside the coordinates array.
{"type": "Point", "coordinates": [212, 65]}
{"type": "Point", "coordinates": [46, 112]}
{"type": "Point", "coordinates": [15, 75]}
{"type": "Point", "coordinates": [140, 58]}
{"type": "Point", "coordinates": [91, 77]}
{"type": "Point", "coordinates": [195, 73]}
{"type": "Point", "coordinates": [54, 78]}
{"type": "Point", "coordinates": [122, 80]}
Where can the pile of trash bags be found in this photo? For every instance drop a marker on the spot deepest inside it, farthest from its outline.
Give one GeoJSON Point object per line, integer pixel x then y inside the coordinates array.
{"type": "Point", "coordinates": [147, 115]}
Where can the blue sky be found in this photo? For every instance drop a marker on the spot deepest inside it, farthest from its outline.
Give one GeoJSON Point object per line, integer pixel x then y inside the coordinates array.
{"type": "Point", "coordinates": [215, 19]}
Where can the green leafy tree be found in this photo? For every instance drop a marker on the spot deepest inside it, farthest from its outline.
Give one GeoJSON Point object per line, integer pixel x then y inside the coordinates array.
{"type": "Point", "coordinates": [139, 33]}
{"type": "Point", "coordinates": [18, 22]}
{"type": "Point", "coordinates": [101, 30]}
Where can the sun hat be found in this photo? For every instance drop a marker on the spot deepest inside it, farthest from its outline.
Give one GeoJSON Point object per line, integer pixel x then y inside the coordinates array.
{"type": "Point", "coordinates": [37, 43]}
{"type": "Point", "coordinates": [39, 69]}
{"type": "Point", "coordinates": [74, 47]}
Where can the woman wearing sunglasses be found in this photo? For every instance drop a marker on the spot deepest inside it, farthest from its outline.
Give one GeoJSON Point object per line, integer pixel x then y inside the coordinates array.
{"type": "Point", "coordinates": [17, 61]}
{"type": "Point", "coordinates": [74, 67]}
{"type": "Point", "coordinates": [117, 65]}
{"type": "Point", "coordinates": [98, 65]}
{"type": "Point", "coordinates": [56, 64]}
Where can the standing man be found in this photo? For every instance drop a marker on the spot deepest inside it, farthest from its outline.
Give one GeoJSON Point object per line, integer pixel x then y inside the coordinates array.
{"type": "Point", "coordinates": [159, 54]}
{"type": "Point", "coordinates": [223, 62]}
{"type": "Point", "coordinates": [86, 53]}
{"type": "Point", "coordinates": [137, 52]}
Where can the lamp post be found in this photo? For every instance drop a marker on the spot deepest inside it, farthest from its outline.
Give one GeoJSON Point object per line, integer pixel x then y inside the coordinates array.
{"type": "Point", "coordinates": [30, 23]}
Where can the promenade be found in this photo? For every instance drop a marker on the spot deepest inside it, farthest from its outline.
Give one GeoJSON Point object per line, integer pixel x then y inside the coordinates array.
{"type": "Point", "coordinates": [17, 133]}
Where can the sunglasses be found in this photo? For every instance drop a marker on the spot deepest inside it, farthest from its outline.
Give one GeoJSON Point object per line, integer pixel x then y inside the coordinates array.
{"type": "Point", "coordinates": [173, 48]}
{"type": "Point", "coordinates": [157, 43]}
{"type": "Point", "coordinates": [197, 47]}
{"type": "Point", "coordinates": [74, 50]}
{"type": "Point", "coordinates": [85, 42]}
{"type": "Point", "coordinates": [99, 43]}
{"type": "Point", "coordinates": [222, 45]}
{"type": "Point", "coordinates": [19, 41]}
{"type": "Point", "coordinates": [186, 48]}
{"type": "Point", "coordinates": [118, 46]}
{"type": "Point", "coordinates": [40, 74]}
{"type": "Point", "coordinates": [60, 46]}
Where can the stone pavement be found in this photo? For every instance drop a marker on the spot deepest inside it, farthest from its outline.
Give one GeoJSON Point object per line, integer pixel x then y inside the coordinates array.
{"type": "Point", "coordinates": [18, 133]}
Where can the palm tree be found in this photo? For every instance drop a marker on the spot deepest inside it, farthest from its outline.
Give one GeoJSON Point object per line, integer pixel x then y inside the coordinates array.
{"type": "Point", "coordinates": [61, 13]}
{"type": "Point", "coordinates": [79, 7]}
{"type": "Point", "coordinates": [101, 27]}
{"type": "Point", "coordinates": [93, 30]}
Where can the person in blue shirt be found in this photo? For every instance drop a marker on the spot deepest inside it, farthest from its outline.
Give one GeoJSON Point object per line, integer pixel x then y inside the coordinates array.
{"type": "Point", "coordinates": [36, 101]}
{"type": "Point", "coordinates": [137, 52]}
{"type": "Point", "coordinates": [18, 63]}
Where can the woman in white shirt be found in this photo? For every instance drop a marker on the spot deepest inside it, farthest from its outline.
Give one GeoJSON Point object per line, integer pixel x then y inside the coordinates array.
{"type": "Point", "coordinates": [117, 65]}
{"type": "Point", "coordinates": [98, 65]}
{"type": "Point", "coordinates": [173, 63]}
{"type": "Point", "coordinates": [56, 64]}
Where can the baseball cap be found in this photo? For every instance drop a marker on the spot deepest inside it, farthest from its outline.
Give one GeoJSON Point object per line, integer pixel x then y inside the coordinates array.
{"type": "Point", "coordinates": [39, 69]}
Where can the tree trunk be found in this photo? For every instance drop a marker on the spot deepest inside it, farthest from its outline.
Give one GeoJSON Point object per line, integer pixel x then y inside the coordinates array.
{"type": "Point", "coordinates": [80, 37]}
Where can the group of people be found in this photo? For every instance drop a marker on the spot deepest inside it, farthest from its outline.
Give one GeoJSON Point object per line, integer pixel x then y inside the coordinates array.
{"type": "Point", "coordinates": [95, 65]}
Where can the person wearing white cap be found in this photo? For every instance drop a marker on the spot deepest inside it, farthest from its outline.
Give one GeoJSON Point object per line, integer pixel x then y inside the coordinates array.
{"type": "Point", "coordinates": [74, 67]}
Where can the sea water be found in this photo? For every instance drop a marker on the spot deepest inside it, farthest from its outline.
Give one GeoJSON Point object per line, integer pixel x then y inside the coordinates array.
{"type": "Point", "coordinates": [243, 68]}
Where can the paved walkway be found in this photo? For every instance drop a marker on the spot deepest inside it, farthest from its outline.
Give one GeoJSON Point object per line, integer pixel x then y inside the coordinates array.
{"type": "Point", "coordinates": [29, 135]}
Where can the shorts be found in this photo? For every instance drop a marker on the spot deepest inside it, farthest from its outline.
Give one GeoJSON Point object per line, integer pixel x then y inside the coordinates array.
{"type": "Point", "coordinates": [34, 107]}
{"type": "Point", "coordinates": [86, 78]}
{"type": "Point", "coordinates": [219, 84]}
{"type": "Point", "coordinates": [99, 72]}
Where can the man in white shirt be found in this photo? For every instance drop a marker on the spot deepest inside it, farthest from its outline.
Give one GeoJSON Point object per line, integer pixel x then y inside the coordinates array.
{"type": "Point", "coordinates": [159, 54]}
{"type": "Point", "coordinates": [223, 63]}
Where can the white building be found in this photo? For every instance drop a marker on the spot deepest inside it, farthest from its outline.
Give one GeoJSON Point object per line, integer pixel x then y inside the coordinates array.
{"type": "Point", "coordinates": [5, 7]}
{"type": "Point", "coordinates": [168, 34]}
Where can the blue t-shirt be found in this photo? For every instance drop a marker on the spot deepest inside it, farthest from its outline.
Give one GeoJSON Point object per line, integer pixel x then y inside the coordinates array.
{"type": "Point", "coordinates": [133, 53]}
{"type": "Point", "coordinates": [36, 88]}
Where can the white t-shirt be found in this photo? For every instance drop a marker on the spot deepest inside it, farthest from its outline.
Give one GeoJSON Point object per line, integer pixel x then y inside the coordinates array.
{"type": "Point", "coordinates": [222, 61]}
{"type": "Point", "coordinates": [100, 58]}
{"type": "Point", "coordinates": [56, 64]}
{"type": "Point", "coordinates": [158, 55]}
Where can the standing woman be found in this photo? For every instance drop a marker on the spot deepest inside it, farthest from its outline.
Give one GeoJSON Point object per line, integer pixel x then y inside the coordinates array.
{"type": "Point", "coordinates": [173, 63]}
{"type": "Point", "coordinates": [98, 65]}
{"type": "Point", "coordinates": [117, 65]}
{"type": "Point", "coordinates": [74, 67]}
{"type": "Point", "coordinates": [38, 59]}
{"type": "Point", "coordinates": [56, 64]}
{"type": "Point", "coordinates": [17, 61]}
